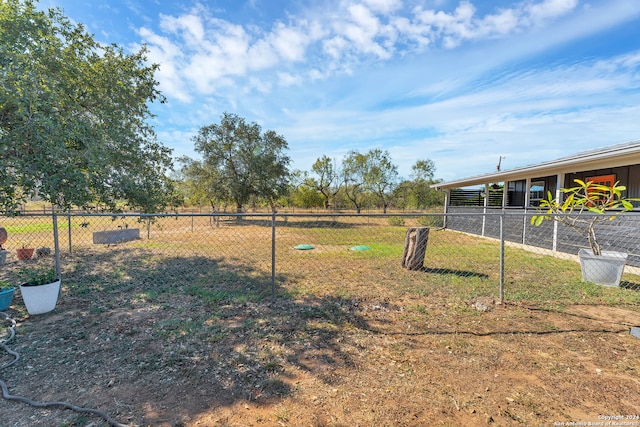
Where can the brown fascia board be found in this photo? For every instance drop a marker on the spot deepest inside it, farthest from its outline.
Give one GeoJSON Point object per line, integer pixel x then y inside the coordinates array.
{"type": "Point", "coordinates": [608, 157]}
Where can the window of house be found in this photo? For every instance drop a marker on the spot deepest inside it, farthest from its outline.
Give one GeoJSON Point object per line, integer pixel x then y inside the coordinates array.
{"type": "Point", "coordinates": [536, 193]}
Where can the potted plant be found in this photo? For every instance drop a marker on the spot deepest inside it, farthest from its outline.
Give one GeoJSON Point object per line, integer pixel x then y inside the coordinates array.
{"type": "Point", "coordinates": [40, 289]}
{"type": "Point", "coordinates": [24, 253]}
{"type": "Point", "coordinates": [6, 295]}
{"type": "Point", "coordinates": [584, 206]}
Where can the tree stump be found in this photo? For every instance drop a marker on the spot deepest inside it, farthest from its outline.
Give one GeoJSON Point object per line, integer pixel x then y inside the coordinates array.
{"type": "Point", "coordinates": [415, 246]}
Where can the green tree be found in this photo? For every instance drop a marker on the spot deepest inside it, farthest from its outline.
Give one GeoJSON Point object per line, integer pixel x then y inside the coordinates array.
{"type": "Point", "coordinates": [423, 170]}
{"type": "Point", "coordinates": [304, 191]}
{"type": "Point", "coordinates": [328, 178]}
{"type": "Point", "coordinates": [402, 194]}
{"type": "Point", "coordinates": [248, 163]}
{"type": "Point", "coordinates": [200, 185]}
{"type": "Point", "coordinates": [381, 176]}
{"type": "Point", "coordinates": [73, 117]}
{"type": "Point", "coordinates": [354, 177]}
{"type": "Point", "coordinates": [421, 195]}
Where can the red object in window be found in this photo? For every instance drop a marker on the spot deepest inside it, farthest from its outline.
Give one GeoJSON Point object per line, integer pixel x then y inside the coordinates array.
{"type": "Point", "coordinates": [608, 180]}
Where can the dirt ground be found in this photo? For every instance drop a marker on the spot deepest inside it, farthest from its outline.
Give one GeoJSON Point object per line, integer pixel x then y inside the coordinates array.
{"type": "Point", "coordinates": [326, 361]}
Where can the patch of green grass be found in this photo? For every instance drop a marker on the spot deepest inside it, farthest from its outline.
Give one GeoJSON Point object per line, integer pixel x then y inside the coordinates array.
{"type": "Point", "coordinates": [396, 221]}
{"type": "Point", "coordinates": [189, 328]}
{"type": "Point", "coordinates": [377, 250]}
{"type": "Point", "coordinates": [149, 295]}
{"type": "Point", "coordinates": [33, 227]}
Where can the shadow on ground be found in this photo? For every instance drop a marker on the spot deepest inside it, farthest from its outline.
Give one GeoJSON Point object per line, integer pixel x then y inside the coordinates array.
{"type": "Point", "coordinates": [634, 286]}
{"type": "Point", "coordinates": [460, 273]}
{"type": "Point", "coordinates": [174, 337]}
{"type": "Point", "coordinates": [158, 339]}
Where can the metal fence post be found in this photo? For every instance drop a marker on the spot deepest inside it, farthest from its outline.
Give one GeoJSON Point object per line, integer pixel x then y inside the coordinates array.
{"type": "Point", "coordinates": [56, 245]}
{"type": "Point", "coordinates": [273, 255]}
{"type": "Point", "coordinates": [502, 258]}
{"type": "Point", "coordinates": [69, 230]}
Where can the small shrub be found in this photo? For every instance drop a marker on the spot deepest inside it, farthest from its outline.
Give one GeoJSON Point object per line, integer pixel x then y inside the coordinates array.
{"type": "Point", "coordinates": [396, 221]}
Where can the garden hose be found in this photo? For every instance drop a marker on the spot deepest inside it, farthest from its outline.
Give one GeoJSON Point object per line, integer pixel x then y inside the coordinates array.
{"type": "Point", "coordinates": [64, 405]}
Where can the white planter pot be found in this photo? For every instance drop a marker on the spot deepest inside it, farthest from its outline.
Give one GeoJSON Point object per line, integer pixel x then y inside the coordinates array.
{"type": "Point", "coordinates": [605, 269]}
{"type": "Point", "coordinates": [40, 299]}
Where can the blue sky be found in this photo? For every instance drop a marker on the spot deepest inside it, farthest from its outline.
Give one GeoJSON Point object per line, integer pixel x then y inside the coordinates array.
{"type": "Point", "coordinates": [458, 82]}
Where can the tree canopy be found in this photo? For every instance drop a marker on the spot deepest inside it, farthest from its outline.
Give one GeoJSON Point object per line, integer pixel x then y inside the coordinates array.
{"type": "Point", "coordinates": [373, 173]}
{"type": "Point", "coordinates": [244, 161]}
{"type": "Point", "coordinates": [328, 178]}
{"type": "Point", "coordinates": [381, 176]}
{"type": "Point", "coordinates": [354, 176]}
{"type": "Point", "coordinates": [73, 116]}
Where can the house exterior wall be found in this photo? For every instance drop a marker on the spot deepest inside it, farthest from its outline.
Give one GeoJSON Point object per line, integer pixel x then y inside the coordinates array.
{"type": "Point", "coordinates": [482, 214]}
{"type": "Point", "coordinates": [628, 176]}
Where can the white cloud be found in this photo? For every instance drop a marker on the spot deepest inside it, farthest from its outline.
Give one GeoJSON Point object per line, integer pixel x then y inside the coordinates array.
{"type": "Point", "coordinates": [288, 79]}
{"type": "Point", "coordinates": [190, 26]}
{"type": "Point", "coordinates": [383, 6]}
{"type": "Point", "coordinates": [261, 86]}
{"type": "Point", "coordinates": [362, 30]}
{"type": "Point", "coordinates": [334, 46]}
{"type": "Point", "coordinates": [463, 24]}
{"type": "Point", "coordinates": [289, 42]}
{"type": "Point", "coordinates": [549, 111]}
{"type": "Point", "coordinates": [169, 57]}
{"type": "Point", "coordinates": [452, 28]}
{"type": "Point", "coordinates": [261, 55]}
{"type": "Point", "coordinates": [220, 56]}
{"type": "Point", "coordinates": [200, 51]}
{"type": "Point", "coordinates": [427, 95]}
{"type": "Point", "coordinates": [549, 9]}
{"type": "Point", "coordinates": [502, 23]}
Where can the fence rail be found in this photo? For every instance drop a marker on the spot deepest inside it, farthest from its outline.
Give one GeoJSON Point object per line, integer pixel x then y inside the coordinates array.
{"type": "Point", "coordinates": [495, 253]}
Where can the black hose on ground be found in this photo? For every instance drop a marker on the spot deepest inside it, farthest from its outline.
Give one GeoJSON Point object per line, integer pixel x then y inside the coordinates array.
{"type": "Point", "coordinates": [63, 405]}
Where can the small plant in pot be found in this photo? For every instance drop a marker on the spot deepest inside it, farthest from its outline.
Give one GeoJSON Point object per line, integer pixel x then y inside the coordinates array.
{"type": "Point", "coordinates": [40, 289]}
{"type": "Point", "coordinates": [6, 294]}
{"type": "Point", "coordinates": [586, 205]}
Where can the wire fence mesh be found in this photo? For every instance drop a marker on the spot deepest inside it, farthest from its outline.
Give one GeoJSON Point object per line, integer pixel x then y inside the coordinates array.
{"type": "Point", "coordinates": [477, 253]}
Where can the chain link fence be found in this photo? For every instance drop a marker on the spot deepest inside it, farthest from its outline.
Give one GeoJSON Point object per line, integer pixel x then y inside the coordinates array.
{"type": "Point", "coordinates": [257, 256]}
